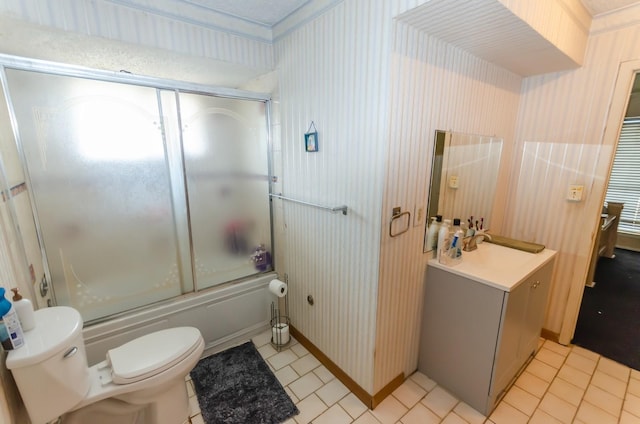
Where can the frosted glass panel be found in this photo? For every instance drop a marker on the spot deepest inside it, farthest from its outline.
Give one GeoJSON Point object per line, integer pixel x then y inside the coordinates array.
{"type": "Point", "coordinates": [225, 148]}
{"type": "Point", "coordinates": [100, 181]}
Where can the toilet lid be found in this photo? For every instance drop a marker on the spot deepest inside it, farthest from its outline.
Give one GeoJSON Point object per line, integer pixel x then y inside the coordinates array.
{"type": "Point", "coordinates": [151, 354]}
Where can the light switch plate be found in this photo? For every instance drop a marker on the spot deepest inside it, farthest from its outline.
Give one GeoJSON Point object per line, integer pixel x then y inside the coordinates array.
{"type": "Point", "coordinates": [575, 193]}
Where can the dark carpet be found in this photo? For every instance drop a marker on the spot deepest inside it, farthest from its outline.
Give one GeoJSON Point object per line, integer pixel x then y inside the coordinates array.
{"type": "Point", "coordinates": [236, 386]}
{"type": "Point", "coordinates": [609, 319]}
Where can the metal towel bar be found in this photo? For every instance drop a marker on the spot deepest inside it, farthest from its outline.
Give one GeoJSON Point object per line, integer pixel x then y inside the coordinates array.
{"type": "Point", "coordinates": [335, 209]}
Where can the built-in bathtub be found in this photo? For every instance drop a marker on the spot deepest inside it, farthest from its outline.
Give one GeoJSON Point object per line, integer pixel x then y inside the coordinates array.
{"type": "Point", "coordinates": [225, 315]}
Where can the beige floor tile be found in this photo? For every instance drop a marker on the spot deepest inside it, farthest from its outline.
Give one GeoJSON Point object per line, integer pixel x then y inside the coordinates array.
{"type": "Point", "coordinates": [299, 350]}
{"type": "Point", "coordinates": [420, 414]}
{"type": "Point", "coordinates": [609, 383]}
{"type": "Point", "coordinates": [332, 392]}
{"type": "Point", "coordinates": [585, 353]}
{"type": "Point", "coordinates": [282, 359]}
{"type": "Point", "coordinates": [262, 339]}
{"type": "Point", "coordinates": [558, 408]}
{"type": "Point", "coordinates": [197, 419]}
{"type": "Point", "coordinates": [367, 418]}
{"type": "Point", "coordinates": [267, 351]}
{"type": "Point", "coordinates": [334, 415]}
{"type": "Point", "coordinates": [305, 364]}
{"type": "Point", "coordinates": [632, 404]}
{"type": "Point", "coordinates": [507, 414]}
{"type": "Point", "coordinates": [439, 401]}
{"type": "Point", "coordinates": [389, 410]}
{"type": "Point", "coordinates": [286, 375]}
{"type": "Point", "coordinates": [614, 369]}
{"type": "Point", "coordinates": [550, 357]}
{"type": "Point", "coordinates": [324, 374]}
{"type": "Point", "coordinates": [409, 393]}
{"type": "Point", "coordinates": [590, 414]}
{"type": "Point", "coordinates": [521, 400]}
{"type": "Point", "coordinates": [603, 400]}
{"type": "Point", "coordinates": [581, 362]}
{"type": "Point", "coordinates": [541, 417]}
{"type": "Point", "coordinates": [310, 408]}
{"type": "Point", "coordinates": [532, 384]}
{"type": "Point", "coordinates": [305, 385]}
{"type": "Point", "coordinates": [557, 348]}
{"type": "Point", "coordinates": [542, 370]}
{"type": "Point", "coordinates": [353, 405]}
{"type": "Point", "coordinates": [424, 381]}
{"type": "Point", "coordinates": [634, 387]}
{"type": "Point", "coordinates": [469, 414]}
{"type": "Point", "coordinates": [566, 391]}
{"type": "Point", "coordinates": [453, 418]}
{"type": "Point", "coordinates": [628, 418]}
{"type": "Point", "coordinates": [574, 376]}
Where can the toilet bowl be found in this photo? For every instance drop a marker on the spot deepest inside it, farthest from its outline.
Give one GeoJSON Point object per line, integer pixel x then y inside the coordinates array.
{"type": "Point", "coordinates": [140, 382]}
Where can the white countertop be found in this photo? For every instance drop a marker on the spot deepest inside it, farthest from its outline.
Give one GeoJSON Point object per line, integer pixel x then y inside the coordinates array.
{"type": "Point", "coordinates": [497, 266]}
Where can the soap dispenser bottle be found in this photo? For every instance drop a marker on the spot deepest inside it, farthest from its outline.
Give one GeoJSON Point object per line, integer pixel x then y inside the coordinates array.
{"type": "Point", "coordinates": [11, 336]}
{"type": "Point", "coordinates": [24, 309]}
{"type": "Point", "coordinates": [432, 234]}
{"type": "Point", "coordinates": [444, 240]}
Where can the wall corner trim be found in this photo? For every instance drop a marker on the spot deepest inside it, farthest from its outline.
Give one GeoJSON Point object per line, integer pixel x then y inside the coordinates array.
{"type": "Point", "coordinates": [371, 401]}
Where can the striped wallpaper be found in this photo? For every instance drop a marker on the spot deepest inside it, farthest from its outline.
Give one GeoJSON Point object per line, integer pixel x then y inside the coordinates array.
{"type": "Point", "coordinates": [376, 90]}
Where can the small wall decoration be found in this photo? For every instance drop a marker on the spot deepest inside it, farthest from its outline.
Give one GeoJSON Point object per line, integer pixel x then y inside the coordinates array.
{"type": "Point", "coordinates": [311, 139]}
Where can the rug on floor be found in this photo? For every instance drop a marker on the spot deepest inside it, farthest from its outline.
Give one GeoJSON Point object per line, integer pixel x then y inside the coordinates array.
{"type": "Point", "coordinates": [236, 386]}
{"type": "Point", "coordinates": [608, 320]}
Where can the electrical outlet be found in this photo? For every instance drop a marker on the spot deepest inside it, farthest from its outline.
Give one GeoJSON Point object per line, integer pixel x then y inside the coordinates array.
{"type": "Point", "coordinates": [453, 181]}
{"type": "Point", "coordinates": [575, 193]}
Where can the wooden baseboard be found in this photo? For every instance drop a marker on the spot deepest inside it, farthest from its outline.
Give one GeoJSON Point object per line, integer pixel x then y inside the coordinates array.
{"type": "Point", "coordinates": [370, 401]}
{"type": "Point", "coordinates": [550, 335]}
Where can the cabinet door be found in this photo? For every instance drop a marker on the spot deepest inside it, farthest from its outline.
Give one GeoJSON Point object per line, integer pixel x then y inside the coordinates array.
{"type": "Point", "coordinates": [508, 356]}
{"type": "Point", "coordinates": [538, 286]}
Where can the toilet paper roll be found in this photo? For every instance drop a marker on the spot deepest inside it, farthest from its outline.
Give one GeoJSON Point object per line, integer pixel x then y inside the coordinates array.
{"type": "Point", "coordinates": [278, 288]}
{"type": "Point", "coordinates": [280, 334]}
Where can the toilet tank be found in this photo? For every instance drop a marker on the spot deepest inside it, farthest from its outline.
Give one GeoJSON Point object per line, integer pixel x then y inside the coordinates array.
{"type": "Point", "coordinates": [50, 369]}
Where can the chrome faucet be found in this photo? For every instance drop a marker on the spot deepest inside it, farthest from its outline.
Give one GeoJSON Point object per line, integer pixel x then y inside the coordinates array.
{"type": "Point", "coordinates": [469, 244]}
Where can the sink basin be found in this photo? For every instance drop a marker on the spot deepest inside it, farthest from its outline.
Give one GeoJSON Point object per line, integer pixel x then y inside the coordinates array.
{"type": "Point", "coordinates": [496, 265]}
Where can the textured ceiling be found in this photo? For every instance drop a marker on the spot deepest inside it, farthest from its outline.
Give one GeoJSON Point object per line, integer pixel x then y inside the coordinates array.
{"type": "Point", "coordinates": [596, 7]}
{"type": "Point", "coordinates": [265, 12]}
{"type": "Point", "coordinates": [270, 12]}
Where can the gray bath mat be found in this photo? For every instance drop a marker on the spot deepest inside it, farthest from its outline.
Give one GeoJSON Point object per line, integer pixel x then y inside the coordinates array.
{"type": "Point", "coordinates": [236, 386]}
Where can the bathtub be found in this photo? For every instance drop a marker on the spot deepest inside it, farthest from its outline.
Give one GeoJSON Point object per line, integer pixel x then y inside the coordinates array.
{"type": "Point", "coordinates": [225, 316]}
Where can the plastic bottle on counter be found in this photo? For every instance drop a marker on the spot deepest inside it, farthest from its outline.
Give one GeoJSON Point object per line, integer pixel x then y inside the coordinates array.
{"type": "Point", "coordinates": [432, 234]}
{"type": "Point", "coordinates": [11, 336]}
{"type": "Point", "coordinates": [24, 309]}
{"type": "Point", "coordinates": [444, 239]}
{"type": "Point", "coordinates": [456, 243]}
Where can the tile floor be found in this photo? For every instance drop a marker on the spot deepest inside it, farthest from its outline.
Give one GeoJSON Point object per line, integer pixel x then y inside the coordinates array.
{"type": "Point", "coordinates": [560, 385]}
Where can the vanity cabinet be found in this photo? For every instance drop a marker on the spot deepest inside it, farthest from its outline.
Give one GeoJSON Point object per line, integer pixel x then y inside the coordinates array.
{"type": "Point", "coordinates": [477, 335]}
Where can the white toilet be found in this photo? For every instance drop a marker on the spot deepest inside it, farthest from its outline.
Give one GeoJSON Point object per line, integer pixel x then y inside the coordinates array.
{"type": "Point", "coordinates": [140, 382]}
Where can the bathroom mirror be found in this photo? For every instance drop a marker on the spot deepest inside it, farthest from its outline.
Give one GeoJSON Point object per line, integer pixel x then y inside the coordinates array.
{"type": "Point", "coordinates": [464, 175]}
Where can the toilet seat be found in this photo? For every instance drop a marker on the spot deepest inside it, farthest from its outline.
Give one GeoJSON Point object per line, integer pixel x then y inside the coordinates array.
{"type": "Point", "coordinates": [151, 354]}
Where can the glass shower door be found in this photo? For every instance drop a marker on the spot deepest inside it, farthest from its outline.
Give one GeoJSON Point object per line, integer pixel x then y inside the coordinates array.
{"type": "Point", "coordinates": [226, 163]}
{"type": "Point", "coordinates": [100, 181]}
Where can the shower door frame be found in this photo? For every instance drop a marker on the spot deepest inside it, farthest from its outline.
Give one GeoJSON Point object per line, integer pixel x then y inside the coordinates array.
{"type": "Point", "coordinates": [122, 77]}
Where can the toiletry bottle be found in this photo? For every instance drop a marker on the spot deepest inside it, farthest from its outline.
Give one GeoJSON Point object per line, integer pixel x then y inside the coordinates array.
{"type": "Point", "coordinates": [432, 234]}
{"type": "Point", "coordinates": [24, 309]}
{"type": "Point", "coordinates": [11, 336]}
{"type": "Point", "coordinates": [444, 239]}
{"type": "Point", "coordinates": [456, 244]}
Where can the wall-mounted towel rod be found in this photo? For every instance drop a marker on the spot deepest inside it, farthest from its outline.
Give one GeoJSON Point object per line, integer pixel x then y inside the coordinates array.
{"type": "Point", "coordinates": [335, 209]}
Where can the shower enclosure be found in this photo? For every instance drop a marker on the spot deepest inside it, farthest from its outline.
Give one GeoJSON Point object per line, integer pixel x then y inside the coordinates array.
{"type": "Point", "coordinates": [142, 189]}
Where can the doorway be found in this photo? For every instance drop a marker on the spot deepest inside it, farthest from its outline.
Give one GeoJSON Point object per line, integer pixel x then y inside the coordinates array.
{"type": "Point", "coordinates": [607, 321]}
